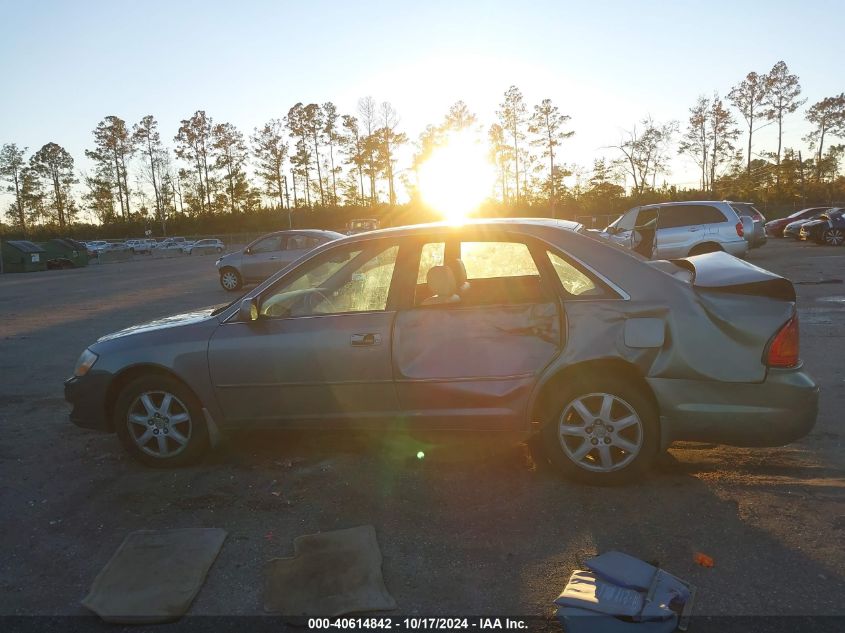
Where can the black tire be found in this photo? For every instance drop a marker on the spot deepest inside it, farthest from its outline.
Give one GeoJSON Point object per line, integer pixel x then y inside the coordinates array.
{"type": "Point", "coordinates": [701, 249]}
{"type": "Point", "coordinates": [231, 279]}
{"type": "Point", "coordinates": [566, 432]}
{"type": "Point", "coordinates": [130, 406]}
{"type": "Point", "coordinates": [833, 237]}
{"type": "Point", "coordinates": [219, 250]}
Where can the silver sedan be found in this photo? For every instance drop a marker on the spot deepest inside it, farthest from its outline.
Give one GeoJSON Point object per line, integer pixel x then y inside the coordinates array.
{"type": "Point", "coordinates": [513, 327]}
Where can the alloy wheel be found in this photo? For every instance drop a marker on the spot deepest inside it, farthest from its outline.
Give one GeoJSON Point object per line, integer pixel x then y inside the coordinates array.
{"type": "Point", "coordinates": [159, 423]}
{"type": "Point", "coordinates": [834, 237]}
{"type": "Point", "coordinates": [229, 279]}
{"type": "Point", "coordinates": [600, 432]}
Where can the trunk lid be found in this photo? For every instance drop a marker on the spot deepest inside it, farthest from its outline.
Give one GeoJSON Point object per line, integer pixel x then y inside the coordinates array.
{"type": "Point", "coordinates": [720, 272]}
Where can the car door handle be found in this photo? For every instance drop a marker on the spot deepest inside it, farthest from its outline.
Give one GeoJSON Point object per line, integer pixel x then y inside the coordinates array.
{"type": "Point", "coordinates": [692, 229]}
{"type": "Point", "coordinates": [362, 340]}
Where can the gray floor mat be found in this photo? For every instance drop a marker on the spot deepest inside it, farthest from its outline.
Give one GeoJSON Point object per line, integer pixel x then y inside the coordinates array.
{"type": "Point", "coordinates": [330, 574]}
{"type": "Point", "coordinates": [154, 575]}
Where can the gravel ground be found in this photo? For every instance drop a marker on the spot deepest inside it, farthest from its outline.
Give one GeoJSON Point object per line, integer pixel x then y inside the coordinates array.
{"type": "Point", "coordinates": [477, 529]}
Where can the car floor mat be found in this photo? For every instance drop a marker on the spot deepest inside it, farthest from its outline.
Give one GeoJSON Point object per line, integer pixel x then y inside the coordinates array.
{"type": "Point", "coordinates": [330, 574]}
{"type": "Point", "coordinates": [154, 575]}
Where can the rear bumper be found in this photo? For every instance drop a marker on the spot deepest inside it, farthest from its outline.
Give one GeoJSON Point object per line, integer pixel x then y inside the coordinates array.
{"type": "Point", "coordinates": [87, 395]}
{"type": "Point", "coordinates": [775, 412]}
{"type": "Point", "coordinates": [737, 248]}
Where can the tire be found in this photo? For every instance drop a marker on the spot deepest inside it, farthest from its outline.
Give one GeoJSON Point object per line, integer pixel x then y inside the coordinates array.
{"type": "Point", "coordinates": [160, 422]}
{"type": "Point", "coordinates": [219, 250]}
{"type": "Point", "coordinates": [587, 418]}
{"type": "Point", "coordinates": [833, 237]}
{"type": "Point", "coordinates": [231, 279]}
{"type": "Point", "coordinates": [708, 247]}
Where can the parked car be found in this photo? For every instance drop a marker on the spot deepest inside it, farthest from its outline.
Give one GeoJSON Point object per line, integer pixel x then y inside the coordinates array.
{"type": "Point", "coordinates": [361, 225]}
{"type": "Point", "coordinates": [793, 229]}
{"type": "Point", "coordinates": [757, 237]}
{"type": "Point", "coordinates": [775, 228]}
{"type": "Point", "coordinates": [267, 254]}
{"type": "Point", "coordinates": [679, 229]}
{"type": "Point", "coordinates": [203, 246]}
{"type": "Point", "coordinates": [95, 246]}
{"type": "Point", "coordinates": [141, 246]}
{"type": "Point", "coordinates": [828, 229]}
{"type": "Point", "coordinates": [518, 327]}
{"type": "Point", "coordinates": [172, 242]}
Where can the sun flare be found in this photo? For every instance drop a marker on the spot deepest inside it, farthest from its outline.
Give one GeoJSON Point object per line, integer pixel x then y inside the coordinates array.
{"type": "Point", "coordinates": [457, 177]}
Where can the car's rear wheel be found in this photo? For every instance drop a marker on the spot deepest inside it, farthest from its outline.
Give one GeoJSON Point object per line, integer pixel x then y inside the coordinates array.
{"type": "Point", "coordinates": [700, 249]}
{"type": "Point", "coordinates": [604, 431]}
{"type": "Point", "coordinates": [230, 279]}
{"type": "Point", "coordinates": [160, 422]}
{"type": "Point", "coordinates": [834, 237]}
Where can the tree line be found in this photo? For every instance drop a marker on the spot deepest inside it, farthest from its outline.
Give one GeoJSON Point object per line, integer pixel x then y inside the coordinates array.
{"type": "Point", "coordinates": [316, 158]}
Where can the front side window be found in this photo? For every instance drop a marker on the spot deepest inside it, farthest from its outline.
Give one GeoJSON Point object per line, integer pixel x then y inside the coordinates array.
{"type": "Point", "coordinates": [625, 222]}
{"type": "Point", "coordinates": [341, 280]}
{"type": "Point", "coordinates": [267, 245]}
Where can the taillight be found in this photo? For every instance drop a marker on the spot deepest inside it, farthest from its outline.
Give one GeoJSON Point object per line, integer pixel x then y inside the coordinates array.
{"type": "Point", "coordinates": [739, 230]}
{"type": "Point", "coordinates": [783, 348]}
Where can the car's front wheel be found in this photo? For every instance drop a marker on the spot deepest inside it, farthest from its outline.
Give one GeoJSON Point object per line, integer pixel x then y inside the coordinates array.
{"type": "Point", "coordinates": [603, 431]}
{"type": "Point", "coordinates": [834, 237]}
{"type": "Point", "coordinates": [160, 422]}
{"type": "Point", "coordinates": [230, 279]}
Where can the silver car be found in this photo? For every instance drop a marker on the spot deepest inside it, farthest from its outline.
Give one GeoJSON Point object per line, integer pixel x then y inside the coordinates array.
{"type": "Point", "coordinates": [679, 229]}
{"type": "Point", "coordinates": [512, 328]}
{"type": "Point", "coordinates": [204, 247]}
{"type": "Point", "coordinates": [267, 255]}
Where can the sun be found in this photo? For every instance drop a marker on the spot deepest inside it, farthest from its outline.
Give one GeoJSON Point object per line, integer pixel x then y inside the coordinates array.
{"type": "Point", "coordinates": [457, 177]}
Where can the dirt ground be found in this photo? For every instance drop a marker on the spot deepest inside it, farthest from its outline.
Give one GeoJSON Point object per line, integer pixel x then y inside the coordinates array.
{"type": "Point", "coordinates": [466, 530]}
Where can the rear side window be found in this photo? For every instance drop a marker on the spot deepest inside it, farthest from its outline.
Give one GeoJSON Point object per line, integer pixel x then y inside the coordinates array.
{"type": "Point", "coordinates": [301, 242]}
{"type": "Point", "coordinates": [689, 215]}
{"type": "Point", "coordinates": [574, 281]}
{"type": "Point", "coordinates": [484, 260]}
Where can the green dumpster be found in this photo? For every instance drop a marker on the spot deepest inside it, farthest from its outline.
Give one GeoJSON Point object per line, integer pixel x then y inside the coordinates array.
{"type": "Point", "coordinates": [23, 256]}
{"type": "Point", "coordinates": [64, 253]}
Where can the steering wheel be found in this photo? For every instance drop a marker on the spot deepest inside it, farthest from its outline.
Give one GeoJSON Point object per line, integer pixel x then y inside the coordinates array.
{"type": "Point", "coordinates": [322, 296]}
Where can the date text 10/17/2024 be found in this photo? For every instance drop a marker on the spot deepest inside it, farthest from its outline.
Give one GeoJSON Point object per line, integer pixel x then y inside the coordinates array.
{"type": "Point", "coordinates": [418, 623]}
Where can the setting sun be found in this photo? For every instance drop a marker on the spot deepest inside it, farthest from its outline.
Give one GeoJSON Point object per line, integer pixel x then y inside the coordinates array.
{"type": "Point", "coordinates": [457, 177]}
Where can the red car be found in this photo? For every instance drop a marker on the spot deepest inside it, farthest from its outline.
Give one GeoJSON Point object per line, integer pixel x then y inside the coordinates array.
{"type": "Point", "coordinates": [774, 228]}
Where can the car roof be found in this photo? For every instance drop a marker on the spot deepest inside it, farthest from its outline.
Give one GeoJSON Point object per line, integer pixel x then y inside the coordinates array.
{"type": "Point", "coordinates": [679, 203]}
{"type": "Point", "coordinates": [519, 224]}
{"type": "Point", "coordinates": [311, 232]}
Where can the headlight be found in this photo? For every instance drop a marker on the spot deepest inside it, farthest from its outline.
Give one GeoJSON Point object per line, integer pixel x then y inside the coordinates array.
{"type": "Point", "coordinates": [86, 361]}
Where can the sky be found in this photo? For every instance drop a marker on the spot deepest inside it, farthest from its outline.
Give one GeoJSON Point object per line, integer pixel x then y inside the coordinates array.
{"type": "Point", "coordinates": [66, 65]}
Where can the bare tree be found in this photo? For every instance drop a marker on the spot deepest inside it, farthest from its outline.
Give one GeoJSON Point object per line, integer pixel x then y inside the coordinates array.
{"type": "Point", "coordinates": [270, 152]}
{"type": "Point", "coordinates": [748, 96]}
{"type": "Point", "coordinates": [547, 124]}
{"type": "Point", "coordinates": [12, 166]}
{"type": "Point", "coordinates": [782, 92]}
{"type": "Point", "coordinates": [828, 118]}
{"type": "Point", "coordinates": [54, 164]}
{"type": "Point", "coordinates": [193, 144]}
{"type": "Point", "coordinates": [512, 118]}
{"type": "Point", "coordinates": [645, 152]}
{"type": "Point", "coordinates": [367, 116]}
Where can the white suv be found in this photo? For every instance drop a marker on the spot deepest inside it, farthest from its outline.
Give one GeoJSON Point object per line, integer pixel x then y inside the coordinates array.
{"type": "Point", "coordinates": [680, 229]}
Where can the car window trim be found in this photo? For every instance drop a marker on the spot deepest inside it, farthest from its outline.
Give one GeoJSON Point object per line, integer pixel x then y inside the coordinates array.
{"type": "Point", "coordinates": [365, 250]}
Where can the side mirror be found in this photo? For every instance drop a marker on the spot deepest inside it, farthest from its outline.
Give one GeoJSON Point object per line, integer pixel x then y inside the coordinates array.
{"type": "Point", "coordinates": [247, 251]}
{"type": "Point", "coordinates": [248, 311]}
